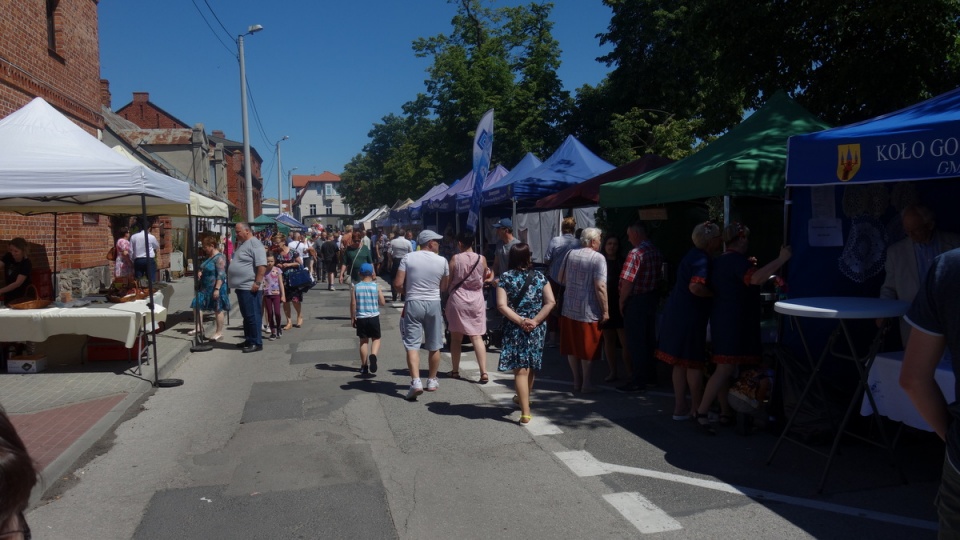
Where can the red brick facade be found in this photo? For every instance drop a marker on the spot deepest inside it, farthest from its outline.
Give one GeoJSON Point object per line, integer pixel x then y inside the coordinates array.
{"type": "Point", "coordinates": [64, 71]}
{"type": "Point", "coordinates": [147, 115]}
{"type": "Point", "coordinates": [67, 76]}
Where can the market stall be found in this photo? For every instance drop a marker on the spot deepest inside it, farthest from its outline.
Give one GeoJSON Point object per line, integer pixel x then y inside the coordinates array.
{"type": "Point", "coordinates": [49, 165]}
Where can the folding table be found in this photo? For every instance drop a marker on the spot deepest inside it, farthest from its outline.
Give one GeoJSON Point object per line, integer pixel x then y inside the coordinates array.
{"type": "Point", "coordinates": [840, 309]}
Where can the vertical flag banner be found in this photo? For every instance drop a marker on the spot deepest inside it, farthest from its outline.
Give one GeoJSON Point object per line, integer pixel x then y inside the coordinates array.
{"type": "Point", "coordinates": [482, 150]}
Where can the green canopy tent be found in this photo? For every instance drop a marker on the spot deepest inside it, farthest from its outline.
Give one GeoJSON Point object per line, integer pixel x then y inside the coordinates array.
{"type": "Point", "coordinates": [748, 161]}
{"type": "Point", "coordinates": [264, 221]}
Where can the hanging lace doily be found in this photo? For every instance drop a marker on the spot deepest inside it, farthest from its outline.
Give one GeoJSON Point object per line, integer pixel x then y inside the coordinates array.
{"type": "Point", "coordinates": [865, 249]}
{"type": "Point", "coordinates": [903, 195]}
{"type": "Point", "coordinates": [865, 200]}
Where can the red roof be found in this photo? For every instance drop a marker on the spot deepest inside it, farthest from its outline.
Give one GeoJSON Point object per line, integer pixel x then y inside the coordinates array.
{"type": "Point", "coordinates": [301, 180]}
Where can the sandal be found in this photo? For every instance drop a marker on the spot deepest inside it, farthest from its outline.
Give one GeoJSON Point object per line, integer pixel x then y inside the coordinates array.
{"type": "Point", "coordinates": [703, 421]}
{"type": "Point", "coordinates": [484, 378]}
{"type": "Point", "coordinates": [288, 326]}
{"type": "Point", "coordinates": [525, 419]}
{"type": "Point", "coordinates": [193, 332]}
{"type": "Point", "coordinates": [454, 374]}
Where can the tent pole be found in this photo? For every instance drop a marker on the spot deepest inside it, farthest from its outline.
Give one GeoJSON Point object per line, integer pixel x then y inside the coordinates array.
{"type": "Point", "coordinates": [514, 217]}
{"type": "Point", "coordinates": [787, 204]}
{"type": "Point", "coordinates": [199, 344]}
{"type": "Point", "coordinates": [55, 275]}
{"type": "Point", "coordinates": [726, 210]}
{"type": "Point", "coordinates": [151, 339]}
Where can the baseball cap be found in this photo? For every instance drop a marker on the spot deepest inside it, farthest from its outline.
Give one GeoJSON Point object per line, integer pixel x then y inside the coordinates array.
{"type": "Point", "coordinates": [427, 235]}
{"type": "Point", "coordinates": [366, 269]}
{"type": "Point", "coordinates": [505, 223]}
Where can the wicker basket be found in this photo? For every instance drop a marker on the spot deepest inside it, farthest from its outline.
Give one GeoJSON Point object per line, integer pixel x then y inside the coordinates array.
{"type": "Point", "coordinates": [36, 303]}
{"type": "Point", "coordinates": [138, 294]}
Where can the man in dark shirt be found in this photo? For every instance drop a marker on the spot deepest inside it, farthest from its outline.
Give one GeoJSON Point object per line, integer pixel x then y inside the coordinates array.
{"type": "Point", "coordinates": [935, 318]}
{"type": "Point", "coordinates": [329, 254]}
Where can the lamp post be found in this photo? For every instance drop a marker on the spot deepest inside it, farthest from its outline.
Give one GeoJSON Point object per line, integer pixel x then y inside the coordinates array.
{"type": "Point", "coordinates": [280, 178]}
{"type": "Point", "coordinates": [247, 168]}
{"type": "Point", "coordinates": [290, 190]}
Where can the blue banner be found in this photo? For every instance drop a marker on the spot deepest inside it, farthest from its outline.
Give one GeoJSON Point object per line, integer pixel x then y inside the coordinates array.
{"type": "Point", "coordinates": [482, 151]}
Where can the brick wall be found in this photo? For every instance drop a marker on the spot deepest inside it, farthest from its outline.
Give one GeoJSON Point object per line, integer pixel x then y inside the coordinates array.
{"type": "Point", "coordinates": [147, 115]}
{"type": "Point", "coordinates": [67, 77]}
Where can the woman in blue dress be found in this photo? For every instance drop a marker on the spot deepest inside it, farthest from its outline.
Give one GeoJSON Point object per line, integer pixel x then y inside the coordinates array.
{"type": "Point", "coordinates": [525, 299]}
{"type": "Point", "coordinates": [683, 329]}
{"type": "Point", "coordinates": [213, 294]}
{"type": "Point", "coordinates": [735, 316]}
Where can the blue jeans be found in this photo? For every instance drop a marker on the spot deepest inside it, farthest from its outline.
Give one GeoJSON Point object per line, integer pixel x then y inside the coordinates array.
{"type": "Point", "coordinates": [142, 265]}
{"type": "Point", "coordinates": [639, 314]}
{"type": "Point", "coordinates": [250, 304]}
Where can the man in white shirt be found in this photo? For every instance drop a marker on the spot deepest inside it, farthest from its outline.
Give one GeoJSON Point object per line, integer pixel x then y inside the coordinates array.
{"type": "Point", "coordinates": [144, 250]}
{"type": "Point", "coordinates": [397, 249]}
{"type": "Point", "coordinates": [297, 244]}
{"type": "Point", "coordinates": [421, 276]}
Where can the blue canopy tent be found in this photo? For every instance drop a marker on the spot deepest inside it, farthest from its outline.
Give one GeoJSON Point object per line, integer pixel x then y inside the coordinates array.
{"type": "Point", "coordinates": [571, 164]}
{"type": "Point", "coordinates": [867, 172]}
{"type": "Point", "coordinates": [290, 222]}
{"type": "Point", "coordinates": [413, 211]}
{"type": "Point", "coordinates": [501, 191]}
{"type": "Point", "coordinates": [846, 186]}
{"type": "Point", "coordinates": [465, 197]}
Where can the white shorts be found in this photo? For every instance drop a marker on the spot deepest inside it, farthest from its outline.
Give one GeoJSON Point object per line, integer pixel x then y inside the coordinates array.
{"type": "Point", "coordinates": [422, 322]}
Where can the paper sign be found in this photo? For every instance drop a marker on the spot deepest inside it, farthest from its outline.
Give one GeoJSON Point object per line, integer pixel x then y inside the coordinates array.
{"type": "Point", "coordinates": [823, 202]}
{"type": "Point", "coordinates": [825, 232]}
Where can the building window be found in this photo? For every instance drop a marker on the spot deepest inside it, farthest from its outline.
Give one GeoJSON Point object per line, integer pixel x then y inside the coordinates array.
{"type": "Point", "coordinates": [213, 178]}
{"type": "Point", "coordinates": [52, 17]}
{"type": "Point", "coordinates": [329, 211]}
{"type": "Point", "coordinates": [330, 192]}
{"type": "Point", "coordinates": [313, 209]}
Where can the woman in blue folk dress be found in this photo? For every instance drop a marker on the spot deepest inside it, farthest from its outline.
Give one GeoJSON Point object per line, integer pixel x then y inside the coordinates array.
{"type": "Point", "coordinates": [213, 294]}
{"type": "Point", "coordinates": [735, 317]}
{"type": "Point", "coordinates": [525, 299]}
{"type": "Point", "coordinates": [683, 329]}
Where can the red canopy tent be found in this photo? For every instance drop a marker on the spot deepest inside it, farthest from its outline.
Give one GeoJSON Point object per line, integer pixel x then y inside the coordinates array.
{"type": "Point", "coordinates": [587, 193]}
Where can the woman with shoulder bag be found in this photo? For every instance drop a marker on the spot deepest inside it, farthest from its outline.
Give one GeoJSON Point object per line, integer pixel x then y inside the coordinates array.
{"type": "Point", "coordinates": [289, 261]}
{"type": "Point", "coordinates": [466, 310]}
{"type": "Point", "coordinates": [525, 299]}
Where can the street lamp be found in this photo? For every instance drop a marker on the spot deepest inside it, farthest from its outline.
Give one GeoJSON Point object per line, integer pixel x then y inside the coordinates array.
{"type": "Point", "coordinates": [290, 189]}
{"type": "Point", "coordinates": [280, 177]}
{"type": "Point", "coordinates": [247, 168]}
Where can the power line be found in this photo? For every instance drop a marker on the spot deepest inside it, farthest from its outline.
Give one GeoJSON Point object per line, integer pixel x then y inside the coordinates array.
{"type": "Point", "coordinates": [217, 18]}
{"type": "Point", "coordinates": [214, 32]}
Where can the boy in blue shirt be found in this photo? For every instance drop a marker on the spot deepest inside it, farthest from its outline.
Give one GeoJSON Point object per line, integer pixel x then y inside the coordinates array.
{"type": "Point", "coordinates": [365, 302]}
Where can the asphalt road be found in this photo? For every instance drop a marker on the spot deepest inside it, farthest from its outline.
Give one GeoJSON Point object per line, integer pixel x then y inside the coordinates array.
{"type": "Point", "coordinates": [294, 443]}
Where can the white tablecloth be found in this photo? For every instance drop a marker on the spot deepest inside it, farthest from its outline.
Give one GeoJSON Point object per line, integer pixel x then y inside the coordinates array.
{"type": "Point", "coordinates": [120, 322]}
{"type": "Point", "coordinates": [884, 381]}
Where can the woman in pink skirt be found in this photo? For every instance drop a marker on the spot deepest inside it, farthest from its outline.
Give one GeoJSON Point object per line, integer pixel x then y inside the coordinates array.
{"type": "Point", "coordinates": [466, 311]}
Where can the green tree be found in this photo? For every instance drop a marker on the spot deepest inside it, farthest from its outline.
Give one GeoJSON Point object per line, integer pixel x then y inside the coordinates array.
{"type": "Point", "coordinates": [844, 60]}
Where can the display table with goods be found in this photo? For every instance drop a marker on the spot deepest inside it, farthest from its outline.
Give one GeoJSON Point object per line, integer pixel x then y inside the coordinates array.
{"type": "Point", "coordinates": [123, 322]}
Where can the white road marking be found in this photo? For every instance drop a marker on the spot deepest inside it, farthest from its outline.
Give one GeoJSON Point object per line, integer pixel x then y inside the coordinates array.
{"type": "Point", "coordinates": [647, 517]}
{"type": "Point", "coordinates": [582, 463]}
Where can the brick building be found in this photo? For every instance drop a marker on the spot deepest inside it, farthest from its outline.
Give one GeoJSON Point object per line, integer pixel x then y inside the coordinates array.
{"type": "Point", "coordinates": [50, 49]}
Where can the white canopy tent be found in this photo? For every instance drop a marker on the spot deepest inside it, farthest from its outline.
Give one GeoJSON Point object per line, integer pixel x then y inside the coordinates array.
{"type": "Point", "coordinates": [49, 165]}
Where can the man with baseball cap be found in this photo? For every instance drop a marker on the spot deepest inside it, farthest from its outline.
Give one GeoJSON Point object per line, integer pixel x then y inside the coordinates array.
{"type": "Point", "coordinates": [505, 241]}
{"type": "Point", "coordinates": [421, 276]}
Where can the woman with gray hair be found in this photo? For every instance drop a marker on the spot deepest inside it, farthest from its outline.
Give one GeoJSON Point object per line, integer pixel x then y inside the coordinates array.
{"type": "Point", "coordinates": [683, 330]}
{"type": "Point", "coordinates": [585, 308]}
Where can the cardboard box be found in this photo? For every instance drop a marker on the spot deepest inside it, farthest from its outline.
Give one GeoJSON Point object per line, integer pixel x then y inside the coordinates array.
{"type": "Point", "coordinates": [27, 364]}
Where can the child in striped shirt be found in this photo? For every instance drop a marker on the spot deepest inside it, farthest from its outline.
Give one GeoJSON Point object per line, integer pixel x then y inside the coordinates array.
{"type": "Point", "coordinates": [365, 302]}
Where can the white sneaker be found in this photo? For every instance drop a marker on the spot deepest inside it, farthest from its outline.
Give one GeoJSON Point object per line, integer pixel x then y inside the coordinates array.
{"type": "Point", "coordinates": [416, 388]}
{"type": "Point", "coordinates": [432, 385]}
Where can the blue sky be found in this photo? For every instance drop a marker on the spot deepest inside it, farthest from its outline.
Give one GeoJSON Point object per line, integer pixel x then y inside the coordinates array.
{"type": "Point", "coordinates": [321, 72]}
